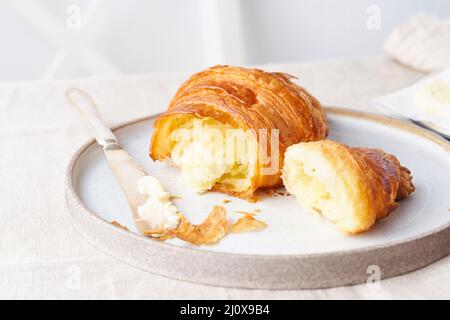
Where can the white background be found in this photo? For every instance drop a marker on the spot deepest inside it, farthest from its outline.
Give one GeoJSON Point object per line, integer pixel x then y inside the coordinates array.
{"type": "Point", "coordinates": [135, 36]}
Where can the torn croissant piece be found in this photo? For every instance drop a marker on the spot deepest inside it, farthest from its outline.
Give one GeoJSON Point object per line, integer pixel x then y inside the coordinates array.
{"type": "Point", "coordinates": [352, 187]}
{"type": "Point", "coordinates": [206, 111]}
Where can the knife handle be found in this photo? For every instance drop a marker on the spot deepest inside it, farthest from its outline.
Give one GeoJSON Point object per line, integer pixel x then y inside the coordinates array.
{"type": "Point", "coordinates": [85, 106]}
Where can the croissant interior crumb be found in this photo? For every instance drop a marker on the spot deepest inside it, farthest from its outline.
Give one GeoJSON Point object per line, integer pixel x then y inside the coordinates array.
{"type": "Point", "coordinates": [315, 183]}
{"type": "Point", "coordinates": [204, 156]}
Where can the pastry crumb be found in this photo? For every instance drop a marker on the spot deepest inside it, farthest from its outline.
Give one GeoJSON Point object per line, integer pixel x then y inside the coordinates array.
{"type": "Point", "coordinates": [174, 197]}
{"type": "Point", "coordinates": [211, 230]}
{"type": "Point", "coordinates": [247, 223]}
{"type": "Point", "coordinates": [116, 224]}
{"type": "Point", "coordinates": [159, 235]}
{"type": "Point", "coordinates": [244, 212]}
{"type": "Point", "coordinates": [257, 210]}
{"type": "Point", "coordinates": [226, 201]}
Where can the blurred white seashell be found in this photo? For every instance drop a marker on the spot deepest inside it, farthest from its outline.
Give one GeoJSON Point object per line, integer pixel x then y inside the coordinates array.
{"type": "Point", "coordinates": [422, 43]}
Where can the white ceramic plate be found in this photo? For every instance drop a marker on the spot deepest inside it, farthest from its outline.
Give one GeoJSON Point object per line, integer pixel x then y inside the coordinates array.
{"type": "Point", "coordinates": [291, 231]}
{"type": "Point", "coordinates": [434, 127]}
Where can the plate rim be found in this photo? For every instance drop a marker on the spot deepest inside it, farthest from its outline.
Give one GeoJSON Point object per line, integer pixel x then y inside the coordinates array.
{"type": "Point", "coordinates": [73, 198]}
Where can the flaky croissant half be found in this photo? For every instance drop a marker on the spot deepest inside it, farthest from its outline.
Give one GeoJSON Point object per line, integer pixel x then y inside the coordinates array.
{"type": "Point", "coordinates": [352, 187]}
{"type": "Point", "coordinates": [250, 100]}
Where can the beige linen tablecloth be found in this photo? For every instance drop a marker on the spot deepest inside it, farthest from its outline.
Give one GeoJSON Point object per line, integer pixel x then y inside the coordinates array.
{"type": "Point", "coordinates": [42, 256]}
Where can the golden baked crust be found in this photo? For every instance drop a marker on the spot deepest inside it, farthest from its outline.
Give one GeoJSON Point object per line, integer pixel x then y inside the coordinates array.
{"type": "Point", "coordinates": [351, 186]}
{"type": "Point", "coordinates": [245, 99]}
{"type": "Point", "coordinates": [389, 180]}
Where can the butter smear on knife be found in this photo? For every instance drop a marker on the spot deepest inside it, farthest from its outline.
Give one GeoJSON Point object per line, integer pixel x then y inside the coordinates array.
{"type": "Point", "coordinates": [158, 210]}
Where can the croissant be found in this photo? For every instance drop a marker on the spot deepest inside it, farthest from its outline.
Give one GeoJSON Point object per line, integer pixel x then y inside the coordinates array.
{"type": "Point", "coordinates": [225, 99]}
{"type": "Point", "coordinates": [353, 187]}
